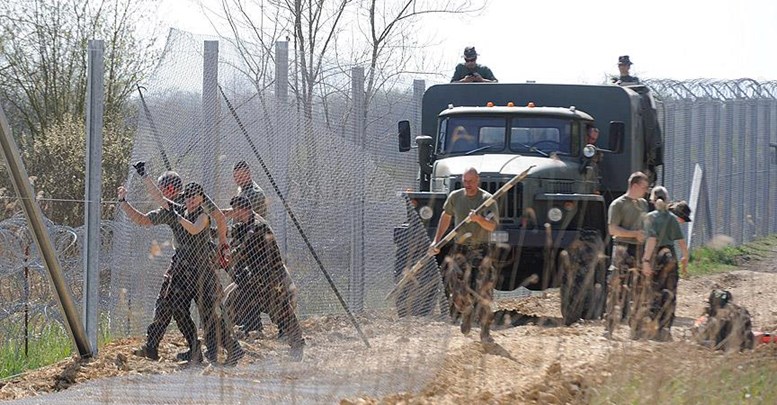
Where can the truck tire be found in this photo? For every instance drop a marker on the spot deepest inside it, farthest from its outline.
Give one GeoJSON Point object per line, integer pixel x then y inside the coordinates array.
{"type": "Point", "coordinates": [583, 271]}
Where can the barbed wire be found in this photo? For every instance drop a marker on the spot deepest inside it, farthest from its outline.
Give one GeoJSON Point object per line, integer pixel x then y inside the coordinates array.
{"type": "Point", "coordinates": [713, 89]}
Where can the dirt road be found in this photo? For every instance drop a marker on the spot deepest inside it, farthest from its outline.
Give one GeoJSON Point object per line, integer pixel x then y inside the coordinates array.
{"type": "Point", "coordinates": [413, 360]}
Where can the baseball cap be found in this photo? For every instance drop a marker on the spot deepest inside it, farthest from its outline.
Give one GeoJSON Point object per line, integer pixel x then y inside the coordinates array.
{"type": "Point", "coordinates": [240, 202]}
{"type": "Point", "coordinates": [193, 189]}
{"type": "Point", "coordinates": [624, 60]}
{"type": "Point", "coordinates": [469, 52]}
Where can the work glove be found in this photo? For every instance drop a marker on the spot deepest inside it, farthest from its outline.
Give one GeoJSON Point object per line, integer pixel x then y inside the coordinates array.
{"type": "Point", "coordinates": [140, 167]}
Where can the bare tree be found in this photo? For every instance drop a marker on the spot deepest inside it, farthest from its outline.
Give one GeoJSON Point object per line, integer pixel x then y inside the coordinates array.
{"type": "Point", "coordinates": [43, 76]}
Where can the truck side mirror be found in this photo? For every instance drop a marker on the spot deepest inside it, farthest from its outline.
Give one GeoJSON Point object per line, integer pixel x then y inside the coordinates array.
{"type": "Point", "coordinates": [404, 135]}
{"type": "Point", "coordinates": [617, 133]}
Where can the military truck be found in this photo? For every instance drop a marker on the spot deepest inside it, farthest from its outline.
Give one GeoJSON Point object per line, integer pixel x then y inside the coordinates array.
{"type": "Point", "coordinates": [553, 225]}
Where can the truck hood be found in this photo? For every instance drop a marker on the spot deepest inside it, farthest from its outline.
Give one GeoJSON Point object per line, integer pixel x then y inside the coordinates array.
{"type": "Point", "coordinates": [508, 165]}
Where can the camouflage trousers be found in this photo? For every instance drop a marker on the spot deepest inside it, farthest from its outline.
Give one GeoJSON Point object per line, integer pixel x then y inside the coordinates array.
{"type": "Point", "coordinates": [469, 278]}
{"type": "Point", "coordinates": [729, 328]}
{"type": "Point", "coordinates": [187, 281]}
{"type": "Point", "coordinates": [620, 279]}
{"type": "Point", "coordinates": [655, 298]}
{"type": "Point", "coordinates": [275, 296]}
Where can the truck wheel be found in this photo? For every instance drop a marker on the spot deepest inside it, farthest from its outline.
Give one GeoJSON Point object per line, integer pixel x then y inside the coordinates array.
{"type": "Point", "coordinates": [583, 271]}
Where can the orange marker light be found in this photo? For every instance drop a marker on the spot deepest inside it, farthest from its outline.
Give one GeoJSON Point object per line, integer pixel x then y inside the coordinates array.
{"type": "Point", "coordinates": [530, 105]}
{"type": "Point", "coordinates": [510, 104]}
{"type": "Point", "coordinates": [490, 104]}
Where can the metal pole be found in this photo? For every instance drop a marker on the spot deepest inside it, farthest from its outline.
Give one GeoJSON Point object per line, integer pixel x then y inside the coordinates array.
{"type": "Point", "coordinates": [356, 284]}
{"type": "Point", "coordinates": [95, 96]}
{"type": "Point", "coordinates": [280, 143]}
{"type": "Point", "coordinates": [210, 116]}
{"type": "Point", "coordinates": [40, 234]}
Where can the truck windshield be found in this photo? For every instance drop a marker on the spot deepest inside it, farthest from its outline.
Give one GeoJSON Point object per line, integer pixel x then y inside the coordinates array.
{"type": "Point", "coordinates": [541, 134]}
{"type": "Point", "coordinates": [532, 134]}
{"type": "Point", "coordinates": [468, 134]}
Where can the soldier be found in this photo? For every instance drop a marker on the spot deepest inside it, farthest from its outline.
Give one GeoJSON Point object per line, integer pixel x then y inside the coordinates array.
{"type": "Point", "coordinates": [659, 270]}
{"type": "Point", "coordinates": [191, 275]}
{"type": "Point", "coordinates": [172, 300]}
{"type": "Point", "coordinates": [624, 223]}
{"type": "Point", "coordinates": [724, 325]}
{"type": "Point", "coordinates": [246, 187]}
{"type": "Point", "coordinates": [259, 275]}
{"type": "Point", "coordinates": [468, 271]}
{"type": "Point", "coordinates": [470, 71]}
{"type": "Point", "coordinates": [249, 321]}
{"type": "Point", "coordinates": [625, 79]}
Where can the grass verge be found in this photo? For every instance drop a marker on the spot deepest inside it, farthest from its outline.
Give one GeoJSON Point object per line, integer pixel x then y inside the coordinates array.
{"type": "Point", "coordinates": [718, 259]}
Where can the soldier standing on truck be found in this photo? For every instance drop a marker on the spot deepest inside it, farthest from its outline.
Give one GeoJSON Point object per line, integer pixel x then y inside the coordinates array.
{"type": "Point", "coordinates": [625, 78]}
{"type": "Point", "coordinates": [468, 272]}
{"type": "Point", "coordinates": [470, 71]}
{"type": "Point", "coordinates": [625, 216]}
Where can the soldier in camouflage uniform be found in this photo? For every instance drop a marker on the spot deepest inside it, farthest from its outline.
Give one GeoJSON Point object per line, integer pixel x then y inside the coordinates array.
{"type": "Point", "coordinates": [246, 187]}
{"type": "Point", "coordinates": [468, 272]}
{"type": "Point", "coordinates": [261, 280]}
{"type": "Point", "coordinates": [657, 299]}
{"type": "Point", "coordinates": [191, 275]}
{"type": "Point", "coordinates": [624, 218]}
{"type": "Point", "coordinates": [724, 325]}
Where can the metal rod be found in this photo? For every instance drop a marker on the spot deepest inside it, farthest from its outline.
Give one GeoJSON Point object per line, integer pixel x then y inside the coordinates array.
{"type": "Point", "coordinates": [294, 218]}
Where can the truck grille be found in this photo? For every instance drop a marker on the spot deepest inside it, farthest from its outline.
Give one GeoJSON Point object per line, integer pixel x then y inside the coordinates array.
{"type": "Point", "coordinates": [560, 186]}
{"type": "Point", "coordinates": [510, 204]}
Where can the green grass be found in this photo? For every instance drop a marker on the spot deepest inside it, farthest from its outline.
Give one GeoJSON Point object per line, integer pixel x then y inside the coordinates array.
{"type": "Point", "coordinates": [46, 345]}
{"type": "Point", "coordinates": [724, 379]}
{"type": "Point", "coordinates": [710, 260]}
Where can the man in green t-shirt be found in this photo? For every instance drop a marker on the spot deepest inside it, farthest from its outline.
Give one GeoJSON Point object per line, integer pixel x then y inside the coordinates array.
{"type": "Point", "coordinates": [468, 273]}
{"type": "Point", "coordinates": [470, 71]}
{"type": "Point", "coordinates": [624, 223]}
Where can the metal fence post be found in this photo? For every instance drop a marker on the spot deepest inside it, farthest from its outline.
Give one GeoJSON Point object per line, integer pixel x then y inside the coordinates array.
{"type": "Point", "coordinates": [95, 94]}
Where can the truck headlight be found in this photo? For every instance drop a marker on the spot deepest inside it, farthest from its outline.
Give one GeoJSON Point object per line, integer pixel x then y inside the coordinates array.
{"type": "Point", "coordinates": [555, 214]}
{"type": "Point", "coordinates": [499, 237]}
{"type": "Point", "coordinates": [426, 212]}
{"type": "Point", "coordinates": [589, 151]}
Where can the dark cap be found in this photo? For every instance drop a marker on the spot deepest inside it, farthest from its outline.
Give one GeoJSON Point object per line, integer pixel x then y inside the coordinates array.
{"type": "Point", "coordinates": [624, 60]}
{"type": "Point", "coordinates": [681, 210]}
{"type": "Point", "coordinates": [469, 52]}
{"type": "Point", "coordinates": [240, 202]}
{"type": "Point", "coordinates": [193, 189]}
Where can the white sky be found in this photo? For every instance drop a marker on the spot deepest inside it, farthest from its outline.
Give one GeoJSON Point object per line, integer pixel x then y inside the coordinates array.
{"type": "Point", "coordinates": [567, 41]}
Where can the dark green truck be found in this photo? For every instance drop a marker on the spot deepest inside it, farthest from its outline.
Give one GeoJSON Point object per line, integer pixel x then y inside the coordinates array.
{"type": "Point", "coordinates": [553, 225]}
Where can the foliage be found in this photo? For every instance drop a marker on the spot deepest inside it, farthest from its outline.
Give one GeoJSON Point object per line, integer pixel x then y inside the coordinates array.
{"type": "Point", "coordinates": [43, 81]}
{"type": "Point", "coordinates": [64, 175]}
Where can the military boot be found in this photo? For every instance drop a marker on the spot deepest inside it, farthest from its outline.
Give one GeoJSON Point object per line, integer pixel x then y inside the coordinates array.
{"type": "Point", "coordinates": [234, 354]}
{"type": "Point", "coordinates": [194, 355]}
{"type": "Point", "coordinates": [147, 352]}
